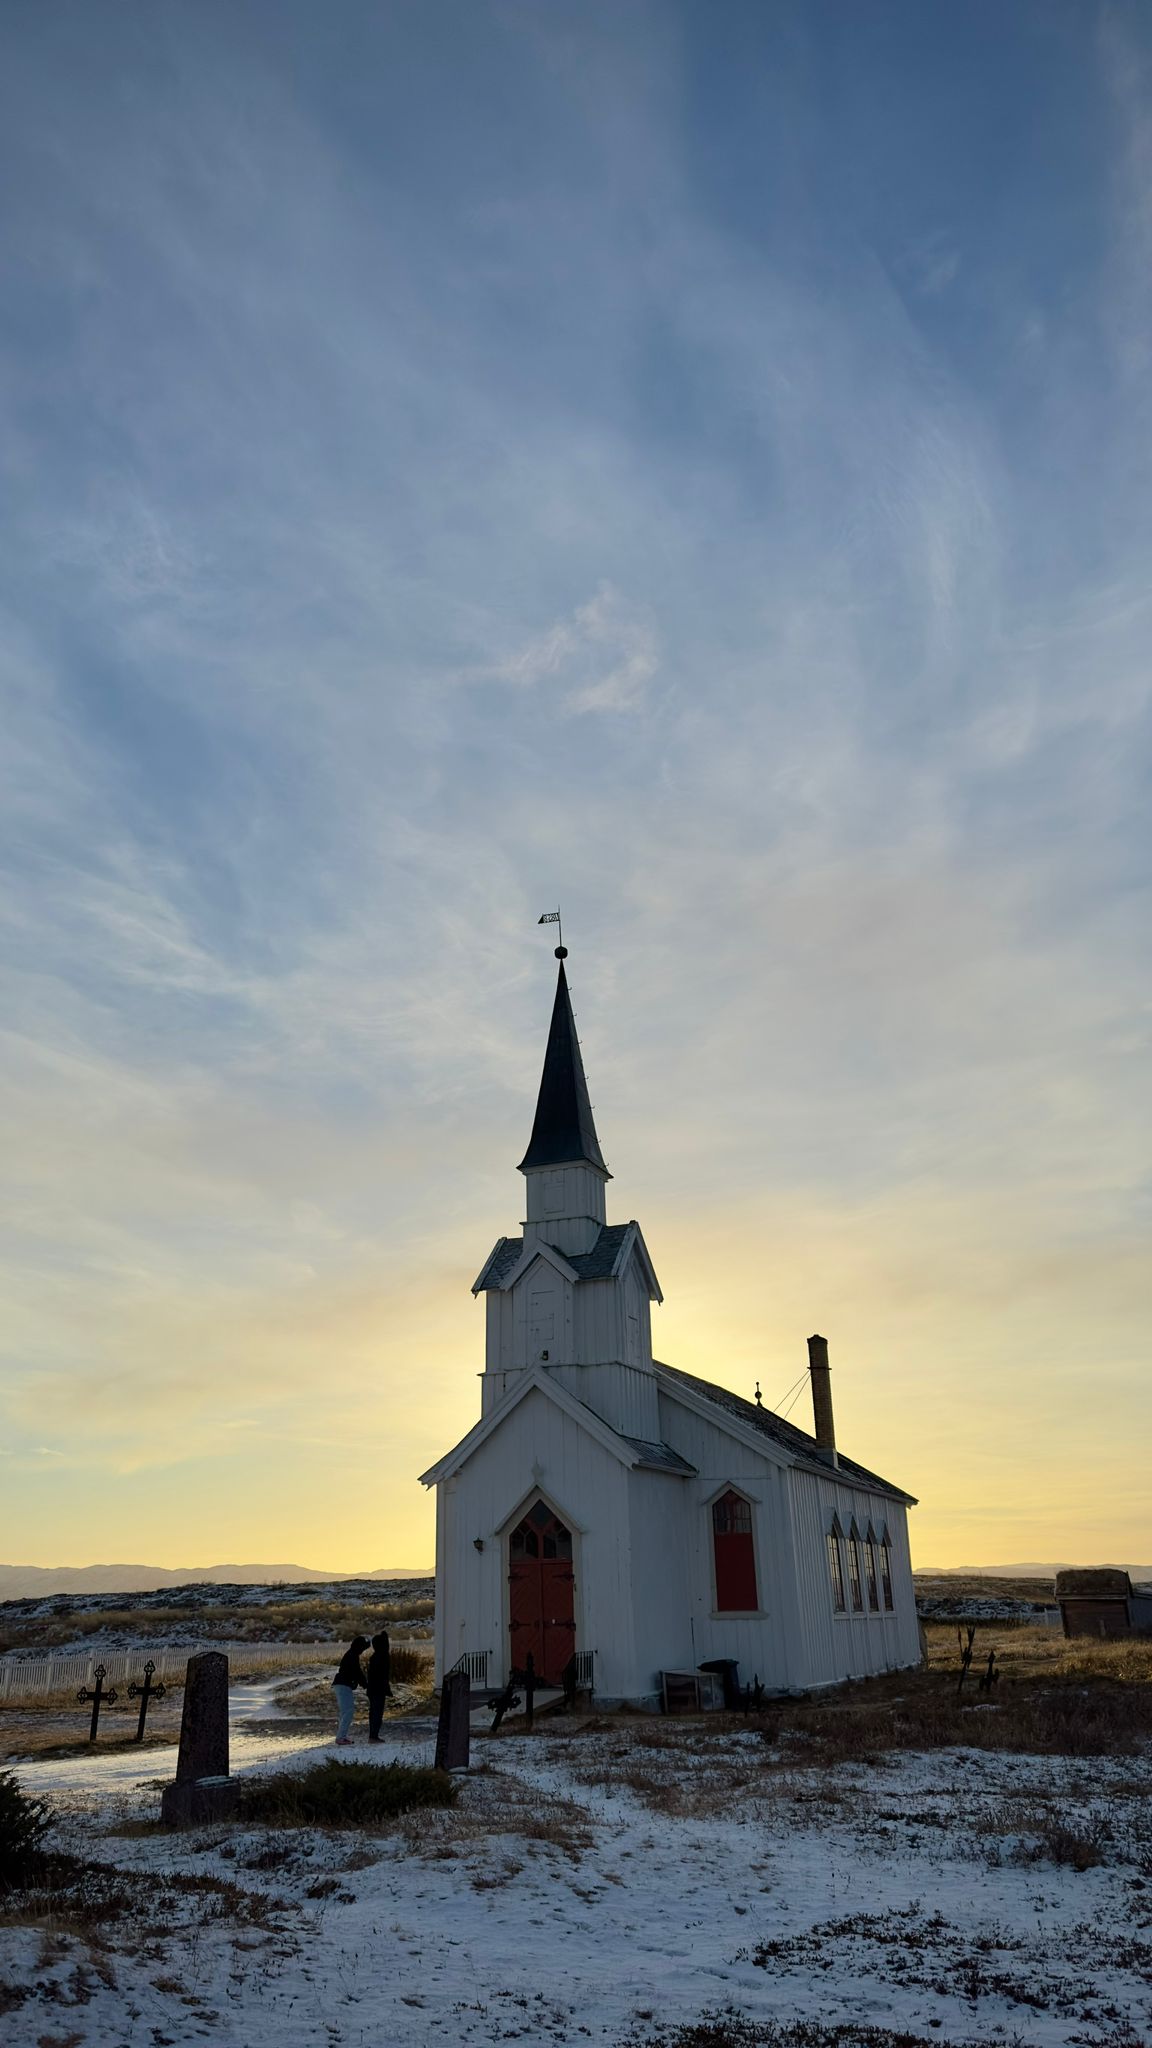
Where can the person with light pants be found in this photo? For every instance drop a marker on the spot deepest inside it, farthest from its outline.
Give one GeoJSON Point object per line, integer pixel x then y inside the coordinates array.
{"type": "Point", "coordinates": [349, 1678]}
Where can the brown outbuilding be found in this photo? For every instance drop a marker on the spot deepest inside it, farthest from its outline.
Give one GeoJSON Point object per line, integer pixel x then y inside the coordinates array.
{"type": "Point", "coordinates": [1095, 1601]}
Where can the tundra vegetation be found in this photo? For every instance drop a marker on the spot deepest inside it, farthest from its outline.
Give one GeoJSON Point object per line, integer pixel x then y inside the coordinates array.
{"type": "Point", "coordinates": [897, 1862]}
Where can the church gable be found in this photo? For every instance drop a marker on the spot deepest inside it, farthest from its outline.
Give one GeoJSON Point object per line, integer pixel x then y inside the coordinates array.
{"type": "Point", "coordinates": [528, 1384]}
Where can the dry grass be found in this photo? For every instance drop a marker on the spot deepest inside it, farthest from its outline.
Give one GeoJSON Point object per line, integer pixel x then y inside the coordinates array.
{"type": "Point", "coordinates": [1078, 1698]}
{"type": "Point", "coordinates": [687, 1768]}
{"type": "Point", "coordinates": [495, 1803]}
{"type": "Point", "coordinates": [413, 1691]}
{"type": "Point", "coordinates": [1077, 1828]}
{"type": "Point", "coordinates": [54, 1730]}
{"type": "Point", "coordinates": [1031, 1650]}
{"type": "Point", "coordinates": [292, 1620]}
{"type": "Point", "coordinates": [868, 1721]}
{"type": "Point", "coordinates": [67, 1895]}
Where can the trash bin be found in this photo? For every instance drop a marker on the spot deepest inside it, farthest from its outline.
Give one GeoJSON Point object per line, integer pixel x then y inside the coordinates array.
{"type": "Point", "coordinates": [729, 1671]}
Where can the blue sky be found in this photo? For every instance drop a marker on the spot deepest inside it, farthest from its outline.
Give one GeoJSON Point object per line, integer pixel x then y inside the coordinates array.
{"type": "Point", "coordinates": [687, 462]}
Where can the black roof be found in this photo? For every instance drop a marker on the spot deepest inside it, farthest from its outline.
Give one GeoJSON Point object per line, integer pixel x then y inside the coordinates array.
{"type": "Point", "coordinates": [598, 1263]}
{"type": "Point", "coordinates": [500, 1261]}
{"type": "Point", "coordinates": [594, 1265]}
{"type": "Point", "coordinates": [660, 1457]}
{"type": "Point", "coordinates": [563, 1132]}
{"type": "Point", "coordinates": [796, 1441]}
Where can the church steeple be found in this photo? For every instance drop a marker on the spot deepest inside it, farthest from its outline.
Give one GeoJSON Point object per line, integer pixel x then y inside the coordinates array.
{"type": "Point", "coordinates": [564, 1166]}
{"type": "Point", "coordinates": [564, 1133]}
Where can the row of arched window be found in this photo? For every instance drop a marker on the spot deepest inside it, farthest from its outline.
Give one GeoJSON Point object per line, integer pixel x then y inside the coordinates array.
{"type": "Point", "coordinates": [859, 1565]}
{"type": "Point", "coordinates": [869, 1576]}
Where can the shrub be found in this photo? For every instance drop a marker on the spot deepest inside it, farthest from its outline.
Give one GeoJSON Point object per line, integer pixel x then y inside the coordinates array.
{"type": "Point", "coordinates": [24, 1822]}
{"type": "Point", "coordinates": [1051, 1840]}
{"type": "Point", "coordinates": [340, 1795]}
{"type": "Point", "coordinates": [736, 2030]}
{"type": "Point", "coordinates": [409, 1665]}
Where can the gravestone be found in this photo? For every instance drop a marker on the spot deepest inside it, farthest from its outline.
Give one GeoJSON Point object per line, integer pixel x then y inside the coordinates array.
{"type": "Point", "coordinates": [453, 1730]}
{"type": "Point", "coordinates": [202, 1790]}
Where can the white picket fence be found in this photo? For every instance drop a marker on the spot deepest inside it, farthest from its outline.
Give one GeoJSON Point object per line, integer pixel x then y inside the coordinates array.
{"type": "Point", "coordinates": [28, 1677]}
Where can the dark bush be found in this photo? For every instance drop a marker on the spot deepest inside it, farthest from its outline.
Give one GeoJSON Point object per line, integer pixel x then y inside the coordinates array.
{"type": "Point", "coordinates": [24, 1822]}
{"type": "Point", "coordinates": [340, 1795]}
{"type": "Point", "coordinates": [735, 2030]}
{"type": "Point", "coordinates": [408, 1665]}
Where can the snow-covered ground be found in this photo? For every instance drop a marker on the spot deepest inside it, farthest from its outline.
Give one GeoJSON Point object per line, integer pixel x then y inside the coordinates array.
{"type": "Point", "coordinates": [594, 1883]}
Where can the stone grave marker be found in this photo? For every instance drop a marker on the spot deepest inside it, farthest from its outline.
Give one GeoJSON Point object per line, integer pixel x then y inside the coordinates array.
{"type": "Point", "coordinates": [453, 1730]}
{"type": "Point", "coordinates": [202, 1790]}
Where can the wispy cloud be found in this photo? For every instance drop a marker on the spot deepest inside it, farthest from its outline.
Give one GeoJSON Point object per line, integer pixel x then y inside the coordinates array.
{"type": "Point", "coordinates": [600, 658]}
{"type": "Point", "coordinates": [683, 496]}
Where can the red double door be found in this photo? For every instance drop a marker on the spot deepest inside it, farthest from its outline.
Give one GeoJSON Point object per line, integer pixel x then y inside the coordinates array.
{"type": "Point", "coordinates": [542, 1594]}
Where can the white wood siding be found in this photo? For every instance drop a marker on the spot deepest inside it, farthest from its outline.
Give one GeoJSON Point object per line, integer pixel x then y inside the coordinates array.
{"type": "Point", "coordinates": [599, 1321]}
{"type": "Point", "coordinates": [764, 1643]}
{"type": "Point", "coordinates": [850, 1645]}
{"type": "Point", "coordinates": [565, 1206]}
{"type": "Point", "coordinates": [538, 1448]}
{"type": "Point", "coordinates": [624, 1397]}
{"type": "Point", "coordinates": [645, 1596]}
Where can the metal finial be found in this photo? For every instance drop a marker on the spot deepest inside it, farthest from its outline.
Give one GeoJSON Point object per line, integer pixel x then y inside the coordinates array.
{"type": "Point", "coordinates": [759, 1396]}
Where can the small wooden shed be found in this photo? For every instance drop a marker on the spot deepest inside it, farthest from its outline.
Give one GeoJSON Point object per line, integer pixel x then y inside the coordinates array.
{"type": "Point", "coordinates": [1095, 1601]}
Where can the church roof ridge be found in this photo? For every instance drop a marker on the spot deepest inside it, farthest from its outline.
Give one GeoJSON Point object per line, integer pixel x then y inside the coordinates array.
{"type": "Point", "coordinates": [796, 1441]}
{"type": "Point", "coordinates": [564, 1131]}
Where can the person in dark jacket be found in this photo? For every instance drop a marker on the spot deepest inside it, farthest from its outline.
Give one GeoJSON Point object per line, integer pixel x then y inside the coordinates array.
{"type": "Point", "coordinates": [348, 1680]}
{"type": "Point", "coordinates": [378, 1683]}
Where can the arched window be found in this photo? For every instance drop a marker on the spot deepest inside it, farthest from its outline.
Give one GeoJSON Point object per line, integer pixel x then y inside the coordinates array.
{"type": "Point", "coordinates": [870, 1568]}
{"type": "Point", "coordinates": [836, 1567]}
{"type": "Point", "coordinates": [855, 1576]}
{"type": "Point", "coordinates": [886, 1567]}
{"type": "Point", "coordinates": [734, 1555]}
{"type": "Point", "coordinates": [540, 1534]}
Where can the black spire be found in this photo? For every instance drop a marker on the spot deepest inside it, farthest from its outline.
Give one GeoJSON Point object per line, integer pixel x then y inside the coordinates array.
{"type": "Point", "coordinates": [563, 1131]}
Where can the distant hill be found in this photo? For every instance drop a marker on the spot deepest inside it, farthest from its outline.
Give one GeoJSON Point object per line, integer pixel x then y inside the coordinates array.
{"type": "Point", "coordinates": [34, 1582]}
{"type": "Point", "coordinates": [1020, 1571]}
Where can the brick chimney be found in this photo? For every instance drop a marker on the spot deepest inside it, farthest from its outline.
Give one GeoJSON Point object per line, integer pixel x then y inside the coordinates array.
{"type": "Point", "coordinates": [825, 1427]}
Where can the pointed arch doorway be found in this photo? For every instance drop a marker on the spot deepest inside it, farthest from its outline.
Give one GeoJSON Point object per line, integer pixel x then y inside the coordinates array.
{"type": "Point", "coordinates": [541, 1593]}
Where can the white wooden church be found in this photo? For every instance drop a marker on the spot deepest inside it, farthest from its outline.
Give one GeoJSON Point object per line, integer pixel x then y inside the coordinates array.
{"type": "Point", "coordinates": [626, 1513]}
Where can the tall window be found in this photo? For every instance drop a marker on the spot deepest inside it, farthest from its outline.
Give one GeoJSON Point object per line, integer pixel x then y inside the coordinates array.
{"type": "Point", "coordinates": [855, 1579]}
{"type": "Point", "coordinates": [734, 1555]}
{"type": "Point", "coordinates": [886, 1568]}
{"type": "Point", "coordinates": [836, 1568]}
{"type": "Point", "coordinates": [870, 1568]}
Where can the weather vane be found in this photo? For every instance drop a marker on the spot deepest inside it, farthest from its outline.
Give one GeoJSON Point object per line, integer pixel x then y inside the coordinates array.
{"type": "Point", "coordinates": [553, 917]}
